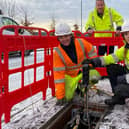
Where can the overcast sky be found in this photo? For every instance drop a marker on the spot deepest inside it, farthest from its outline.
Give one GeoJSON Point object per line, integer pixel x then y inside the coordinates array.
{"type": "Point", "coordinates": [69, 11]}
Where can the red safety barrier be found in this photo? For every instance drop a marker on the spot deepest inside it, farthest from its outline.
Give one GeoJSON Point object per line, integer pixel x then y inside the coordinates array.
{"type": "Point", "coordinates": [41, 40]}
{"type": "Point", "coordinates": [104, 41]}
{"type": "Point", "coordinates": [17, 42]}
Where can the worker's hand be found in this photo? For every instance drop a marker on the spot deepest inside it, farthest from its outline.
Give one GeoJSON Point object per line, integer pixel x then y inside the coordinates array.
{"type": "Point", "coordinates": [96, 62]}
{"type": "Point", "coordinates": [61, 102]}
{"type": "Point", "coordinates": [89, 61]}
{"type": "Point", "coordinates": [90, 32]}
{"type": "Point", "coordinates": [117, 33]}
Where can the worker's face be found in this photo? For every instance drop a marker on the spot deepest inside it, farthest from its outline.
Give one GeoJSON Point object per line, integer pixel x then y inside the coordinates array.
{"type": "Point", "coordinates": [65, 40]}
{"type": "Point", "coordinates": [126, 36]}
{"type": "Point", "coordinates": [100, 6]}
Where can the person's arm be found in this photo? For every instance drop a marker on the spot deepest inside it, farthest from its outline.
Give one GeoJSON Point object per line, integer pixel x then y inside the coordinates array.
{"type": "Point", "coordinates": [59, 75]}
{"type": "Point", "coordinates": [117, 18]}
{"type": "Point", "coordinates": [89, 26]}
{"type": "Point", "coordinates": [109, 59]}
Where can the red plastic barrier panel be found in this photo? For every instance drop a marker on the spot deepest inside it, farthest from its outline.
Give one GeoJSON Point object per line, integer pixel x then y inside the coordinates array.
{"type": "Point", "coordinates": [29, 39]}
{"type": "Point", "coordinates": [104, 41]}
{"type": "Point", "coordinates": [21, 39]}
{"type": "Point", "coordinates": [113, 40]}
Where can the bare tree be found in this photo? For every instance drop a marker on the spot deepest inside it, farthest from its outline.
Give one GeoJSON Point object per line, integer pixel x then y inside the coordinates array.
{"type": "Point", "coordinates": [25, 16]}
{"type": "Point", "coordinates": [13, 10]}
{"type": "Point", "coordinates": [11, 6]}
{"type": "Point", "coordinates": [8, 7]}
{"type": "Point", "coordinates": [2, 5]}
{"type": "Point", "coordinates": [53, 22]}
{"type": "Point", "coordinates": [52, 25]}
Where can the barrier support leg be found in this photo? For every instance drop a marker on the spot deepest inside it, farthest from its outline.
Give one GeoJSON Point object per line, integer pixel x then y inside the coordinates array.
{"type": "Point", "coordinates": [7, 115]}
{"type": "Point", "coordinates": [0, 121]}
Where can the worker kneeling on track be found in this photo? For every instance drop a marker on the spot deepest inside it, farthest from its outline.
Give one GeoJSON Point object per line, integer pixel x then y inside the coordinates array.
{"type": "Point", "coordinates": [68, 58]}
{"type": "Point", "coordinates": [118, 74]}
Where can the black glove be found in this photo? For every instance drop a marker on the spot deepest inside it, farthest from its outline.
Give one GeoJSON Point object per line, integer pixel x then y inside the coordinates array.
{"type": "Point", "coordinates": [96, 62]}
{"type": "Point", "coordinates": [86, 61]}
{"type": "Point", "coordinates": [118, 28]}
{"type": "Point", "coordinates": [61, 102]}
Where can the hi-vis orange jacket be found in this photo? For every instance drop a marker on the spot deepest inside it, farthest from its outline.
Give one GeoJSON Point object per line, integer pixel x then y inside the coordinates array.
{"type": "Point", "coordinates": [64, 65]}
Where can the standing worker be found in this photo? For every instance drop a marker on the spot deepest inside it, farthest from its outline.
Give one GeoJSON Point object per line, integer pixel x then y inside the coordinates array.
{"type": "Point", "coordinates": [118, 74]}
{"type": "Point", "coordinates": [103, 18]}
{"type": "Point", "coordinates": [68, 58]}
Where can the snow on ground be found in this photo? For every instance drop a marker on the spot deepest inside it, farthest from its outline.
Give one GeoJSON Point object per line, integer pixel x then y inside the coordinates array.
{"type": "Point", "coordinates": [34, 112]}
{"type": "Point", "coordinates": [116, 118]}
{"type": "Point", "coordinates": [34, 116]}
{"type": "Point", "coordinates": [39, 112]}
{"type": "Point", "coordinates": [100, 96]}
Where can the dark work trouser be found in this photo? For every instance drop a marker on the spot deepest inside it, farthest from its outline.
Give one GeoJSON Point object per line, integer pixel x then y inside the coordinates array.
{"type": "Point", "coordinates": [103, 50]}
{"type": "Point", "coordinates": [114, 71]}
{"type": "Point", "coordinates": [121, 93]}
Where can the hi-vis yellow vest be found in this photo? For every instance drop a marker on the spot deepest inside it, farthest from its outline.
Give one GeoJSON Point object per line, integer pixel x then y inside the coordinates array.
{"type": "Point", "coordinates": [63, 64]}
{"type": "Point", "coordinates": [105, 23]}
{"type": "Point", "coordinates": [116, 57]}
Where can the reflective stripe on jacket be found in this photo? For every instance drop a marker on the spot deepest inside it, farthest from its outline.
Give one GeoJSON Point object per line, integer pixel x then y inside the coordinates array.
{"type": "Point", "coordinates": [115, 57]}
{"type": "Point", "coordinates": [105, 23]}
{"type": "Point", "coordinates": [63, 64]}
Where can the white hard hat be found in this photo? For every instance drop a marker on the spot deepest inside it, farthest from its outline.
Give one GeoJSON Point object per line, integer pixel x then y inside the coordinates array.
{"type": "Point", "coordinates": [62, 29]}
{"type": "Point", "coordinates": [125, 27]}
